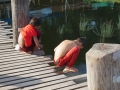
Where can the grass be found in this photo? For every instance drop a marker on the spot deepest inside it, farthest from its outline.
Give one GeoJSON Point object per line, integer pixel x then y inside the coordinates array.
{"type": "Point", "coordinates": [106, 30]}
{"type": "Point", "coordinates": [83, 25]}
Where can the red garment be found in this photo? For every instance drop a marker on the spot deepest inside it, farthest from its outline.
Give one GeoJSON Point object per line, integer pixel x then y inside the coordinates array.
{"type": "Point", "coordinates": [31, 47]}
{"type": "Point", "coordinates": [69, 58]}
{"type": "Point", "coordinates": [28, 32]}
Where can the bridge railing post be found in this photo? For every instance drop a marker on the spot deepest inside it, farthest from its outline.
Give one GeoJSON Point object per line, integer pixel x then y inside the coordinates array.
{"type": "Point", "coordinates": [103, 67]}
{"type": "Point", "coordinates": [20, 16]}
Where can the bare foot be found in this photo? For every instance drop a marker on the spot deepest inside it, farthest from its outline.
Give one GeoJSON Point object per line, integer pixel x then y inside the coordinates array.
{"type": "Point", "coordinates": [70, 69]}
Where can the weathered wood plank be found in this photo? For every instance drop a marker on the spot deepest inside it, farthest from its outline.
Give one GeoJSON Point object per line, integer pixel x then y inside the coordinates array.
{"type": "Point", "coordinates": [22, 69]}
{"type": "Point", "coordinates": [25, 77]}
{"type": "Point", "coordinates": [59, 85]}
{"type": "Point", "coordinates": [74, 87]}
{"type": "Point", "coordinates": [4, 23]}
{"type": "Point", "coordinates": [6, 29]}
{"type": "Point", "coordinates": [19, 79]}
{"type": "Point", "coordinates": [21, 56]}
{"type": "Point", "coordinates": [6, 42]}
{"type": "Point", "coordinates": [8, 26]}
{"type": "Point", "coordinates": [5, 32]}
{"type": "Point", "coordinates": [83, 88]}
{"type": "Point", "coordinates": [82, 77]}
{"type": "Point", "coordinates": [22, 62]}
{"type": "Point", "coordinates": [20, 66]}
{"type": "Point", "coordinates": [27, 72]}
{"type": "Point", "coordinates": [29, 83]}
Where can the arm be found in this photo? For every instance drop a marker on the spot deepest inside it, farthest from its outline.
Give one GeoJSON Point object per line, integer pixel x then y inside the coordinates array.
{"type": "Point", "coordinates": [37, 42]}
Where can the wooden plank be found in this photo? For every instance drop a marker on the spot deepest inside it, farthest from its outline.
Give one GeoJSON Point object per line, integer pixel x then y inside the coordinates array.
{"type": "Point", "coordinates": [83, 88]}
{"type": "Point", "coordinates": [74, 87]}
{"type": "Point", "coordinates": [25, 77]}
{"type": "Point", "coordinates": [29, 83]}
{"type": "Point", "coordinates": [21, 56]}
{"type": "Point", "coordinates": [19, 79]}
{"type": "Point", "coordinates": [6, 29]}
{"type": "Point", "coordinates": [2, 28]}
{"type": "Point", "coordinates": [22, 62]}
{"type": "Point", "coordinates": [5, 46]}
{"type": "Point", "coordinates": [5, 23]}
{"type": "Point", "coordinates": [23, 69]}
{"type": "Point", "coordinates": [28, 71]}
{"type": "Point", "coordinates": [17, 53]}
{"type": "Point", "coordinates": [6, 42]}
{"type": "Point", "coordinates": [2, 40]}
{"type": "Point", "coordinates": [81, 77]}
{"type": "Point", "coordinates": [5, 32]}
{"type": "Point", "coordinates": [9, 50]}
{"type": "Point", "coordinates": [9, 60]}
{"type": "Point", "coordinates": [8, 26]}
{"type": "Point", "coordinates": [20, 66]}
{"type": "Point", "coordinates": [59, 85]}
{"type": "Point", "coordinates": [3, 37]}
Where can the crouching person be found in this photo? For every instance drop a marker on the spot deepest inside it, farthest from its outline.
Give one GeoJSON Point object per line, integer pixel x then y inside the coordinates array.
{"type": "Point", "coordinates": [29, 37]}
{"type": "Point", "coordinates": [66, 53]}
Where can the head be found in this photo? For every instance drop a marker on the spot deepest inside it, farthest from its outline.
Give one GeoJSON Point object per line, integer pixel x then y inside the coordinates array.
{"type": "Point", "coordinates": [82, 42]}
{"type": "Point", "coordinates": [35, 22]}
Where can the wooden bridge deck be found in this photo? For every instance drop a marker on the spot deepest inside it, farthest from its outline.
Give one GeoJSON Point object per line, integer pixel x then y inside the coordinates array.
{"type": "Point", "coordinates": [20, 71]}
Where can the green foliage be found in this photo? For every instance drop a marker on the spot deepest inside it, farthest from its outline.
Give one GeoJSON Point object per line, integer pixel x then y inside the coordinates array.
{"type": "Point", "coordinates": [106, 30]}
{"type": "Point", "coordinates": [83, 25]}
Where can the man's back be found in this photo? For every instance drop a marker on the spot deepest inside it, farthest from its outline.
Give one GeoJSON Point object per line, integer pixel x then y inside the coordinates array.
{"type": "Point", "coordinates": [63, 48]}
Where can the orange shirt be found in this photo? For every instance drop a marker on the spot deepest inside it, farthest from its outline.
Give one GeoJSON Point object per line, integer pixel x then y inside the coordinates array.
{"type": "Point", "coordinates": [28, 32]}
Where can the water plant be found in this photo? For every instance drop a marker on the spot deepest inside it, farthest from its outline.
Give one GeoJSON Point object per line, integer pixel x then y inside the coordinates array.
{"type": "Point", "coordinates": [83, 25]}
{"type": "Point", "coordinates": [106, 30]}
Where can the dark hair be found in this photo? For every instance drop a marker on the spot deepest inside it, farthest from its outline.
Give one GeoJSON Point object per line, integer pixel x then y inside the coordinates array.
{"type": "Point", "coordinates": [82, 40]}
{"type": "Point", "coordinates": [35, 21]}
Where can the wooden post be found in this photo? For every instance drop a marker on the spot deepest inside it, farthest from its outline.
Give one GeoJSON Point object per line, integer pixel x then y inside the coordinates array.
{"type": "Point", "coordinates": [103, 67]}
{"type": "Point", "coordinates": [20, 16]}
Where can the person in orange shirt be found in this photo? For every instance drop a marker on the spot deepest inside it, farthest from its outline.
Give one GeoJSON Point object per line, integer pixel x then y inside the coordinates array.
{"type": "Point", "coordinates": [66, 53]}
{"type": "Point", "coordinates": [29, 37]}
